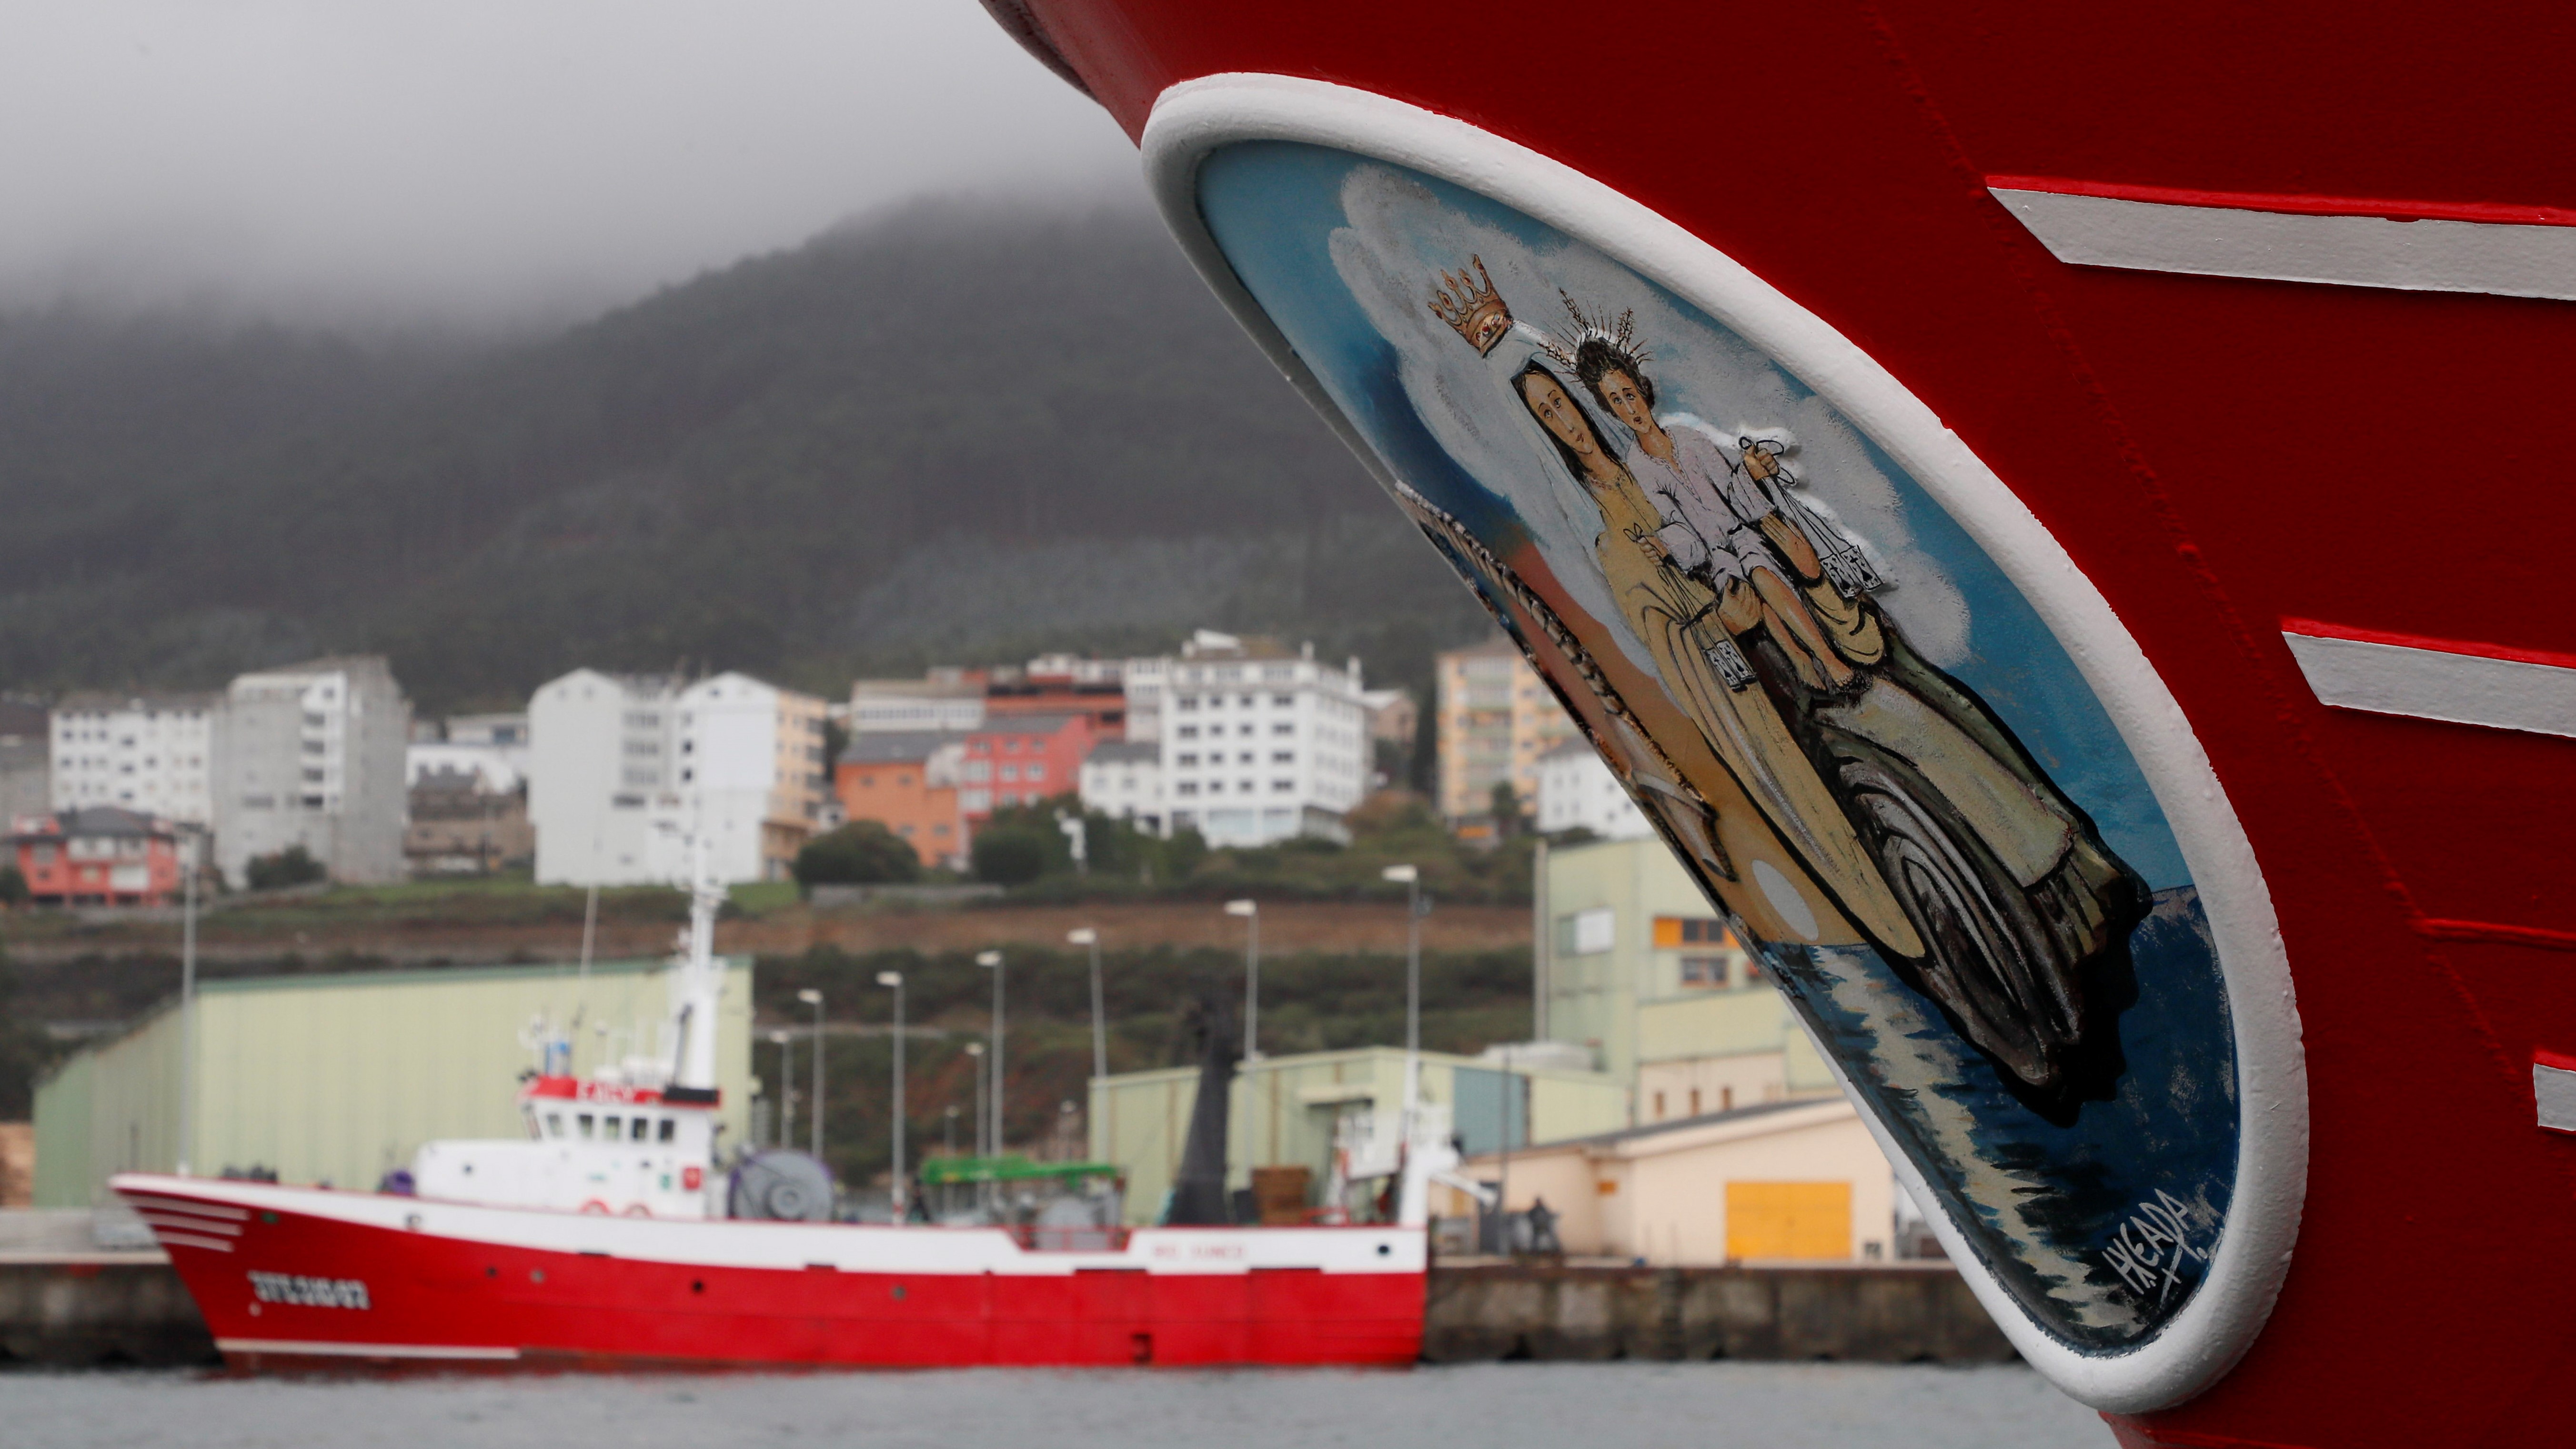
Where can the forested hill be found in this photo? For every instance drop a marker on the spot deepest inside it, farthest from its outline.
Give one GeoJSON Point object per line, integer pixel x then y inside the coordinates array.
{"type": "Point", "coordinates": [960, 432]}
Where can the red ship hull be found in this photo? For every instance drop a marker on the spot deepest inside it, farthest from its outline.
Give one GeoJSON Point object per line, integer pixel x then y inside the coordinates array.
{"type": "Point", "coordinates": [2230, 300]}
{"type": "Point", "coordinates": [296, 1277]}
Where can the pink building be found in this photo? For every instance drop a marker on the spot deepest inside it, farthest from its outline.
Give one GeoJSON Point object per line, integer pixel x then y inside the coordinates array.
{"type": "Point", "coordinates": [97, 856]}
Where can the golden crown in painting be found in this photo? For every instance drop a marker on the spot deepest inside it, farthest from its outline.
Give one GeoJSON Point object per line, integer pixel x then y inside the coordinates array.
{"type": "Point", "coordinates": [1472, 305]}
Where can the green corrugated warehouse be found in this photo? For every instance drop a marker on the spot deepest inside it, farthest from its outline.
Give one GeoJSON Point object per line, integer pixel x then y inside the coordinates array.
{"type": "Point", "coordinates": [339, 1078]}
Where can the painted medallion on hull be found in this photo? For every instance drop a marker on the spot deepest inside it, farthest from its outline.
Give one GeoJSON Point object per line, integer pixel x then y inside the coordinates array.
{"type": "Point", "coordinates": [1836, 707]}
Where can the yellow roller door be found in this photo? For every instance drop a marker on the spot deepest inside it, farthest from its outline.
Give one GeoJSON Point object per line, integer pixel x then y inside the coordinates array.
{"type": "Point", "coordinates": [1788, 1220]}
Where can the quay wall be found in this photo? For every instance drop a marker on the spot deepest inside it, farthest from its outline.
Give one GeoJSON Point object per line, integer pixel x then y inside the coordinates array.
{"type": "Point", "coordinates": [73, 1309]}
{"type": "Point", "coordinates": [1867, 1313]}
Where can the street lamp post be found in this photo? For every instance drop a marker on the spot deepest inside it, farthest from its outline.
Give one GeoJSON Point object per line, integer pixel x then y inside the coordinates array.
{"type": "Point", "coordinates": [1086, 936]}
{"type": "Point", "coordinates": [983, 1119]}
{"type": "Point", "coordinates": [992, 961]}
{"type": "Point", "coordinates": [894, 980]}
{"type": "Point", "coordinates": [786, 1087]}
{"type": "Point", "coordinates": [188, 998]}
{"type": "Point", "coordinates": [814, 999]}
{"type": "Point", "coordinates": [1410, 877]}
{"type": "Point", "coordinates": [1251, 913]}
{"type": "Point", "coordinates": [949, 1129]}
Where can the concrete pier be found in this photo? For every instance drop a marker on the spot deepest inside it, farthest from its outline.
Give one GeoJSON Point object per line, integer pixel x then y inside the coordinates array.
{"type": "Point", "coordinates": [83, 1308]}
{"type": "Point", "coordinates": [75, 1309]}
{"type": "Point", "coordinates": [1867, 1313]}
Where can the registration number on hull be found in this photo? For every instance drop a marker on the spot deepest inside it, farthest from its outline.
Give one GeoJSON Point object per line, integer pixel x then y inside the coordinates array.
{"type": "Point", "coordinates": [306, 1292]}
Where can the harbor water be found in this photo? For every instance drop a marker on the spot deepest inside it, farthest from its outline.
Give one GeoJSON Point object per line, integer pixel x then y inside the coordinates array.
{"type": "Point", "coordinates": [1491, 1406]}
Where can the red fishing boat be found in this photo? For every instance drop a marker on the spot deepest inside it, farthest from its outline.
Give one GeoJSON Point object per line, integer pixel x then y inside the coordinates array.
{"type": "Point", "coordinates": [1951, 459]}
{"type": "Point", "coordinates": [611, 1237]}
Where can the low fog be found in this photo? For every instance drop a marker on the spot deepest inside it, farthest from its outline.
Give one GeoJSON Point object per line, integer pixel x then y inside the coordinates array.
{"type": "Point", "coordinates": [481, 165]}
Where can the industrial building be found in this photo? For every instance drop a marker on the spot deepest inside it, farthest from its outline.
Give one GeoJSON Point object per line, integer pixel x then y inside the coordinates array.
{"type": "Point", "coordinates": [1797, 1180]}
{"type": "Point", "coordinates": [337, 1079]}
{"type": "Point", "coordinates": [1283, 1111]}
{"type": "Point", "coordinates": [1639, 968]}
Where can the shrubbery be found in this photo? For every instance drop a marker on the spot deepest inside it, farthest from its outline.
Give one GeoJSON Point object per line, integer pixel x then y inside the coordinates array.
{"type": "Point", "coordinates": [293, 866]}
{"type": "Point", "coordinates": [1012, 855]}
{"type": "Point", "coordinates": [862, 852]}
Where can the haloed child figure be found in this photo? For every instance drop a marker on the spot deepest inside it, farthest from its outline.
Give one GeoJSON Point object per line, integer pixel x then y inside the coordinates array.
{"type": "Point", "coordinates": [1717, 515]}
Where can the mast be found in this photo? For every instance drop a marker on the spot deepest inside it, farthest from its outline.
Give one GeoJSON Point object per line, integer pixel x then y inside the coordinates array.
{"type": "Point", "coordinates": [700, 977]}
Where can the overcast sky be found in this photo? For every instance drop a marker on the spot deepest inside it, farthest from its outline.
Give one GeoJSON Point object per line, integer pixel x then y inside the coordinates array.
{"type": "Point", "coordinates": [479, 162]}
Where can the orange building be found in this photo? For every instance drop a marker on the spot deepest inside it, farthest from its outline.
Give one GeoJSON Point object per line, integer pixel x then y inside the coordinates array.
{"type": "Point", "coordinates": [907, 782]}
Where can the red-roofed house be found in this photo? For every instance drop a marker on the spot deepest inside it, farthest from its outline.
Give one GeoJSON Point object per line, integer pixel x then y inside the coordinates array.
{"type": "Point", "coordinates": [97, 856]}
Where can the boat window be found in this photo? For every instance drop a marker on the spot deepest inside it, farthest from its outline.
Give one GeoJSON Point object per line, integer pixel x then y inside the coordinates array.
{"type": "Point", "coordinates": [554, 1124]}
{"type": "Point", "coordinates": [611, 1128]}
{"type": "Point", "coordinates": [670, 1128]}
{"type": "Point", "coordinates": [641, 1125]}
{"type": "Point", "coordinates": [587, 1125]}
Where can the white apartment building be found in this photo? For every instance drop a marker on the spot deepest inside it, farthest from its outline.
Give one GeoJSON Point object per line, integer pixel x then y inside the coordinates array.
{"type": "Point", "coordinates": [152, 753]}
{"type": "Point", "coordinates": [1259, 745]}
{"type": "Point", "coordinates": [1576, 790]}
{"type": "Point", "coordinates": [1124, 779]}
{"type": "Point", "coordinates": [312, 755]}
{"type": "Point", "coordinates": [1147, 682]}
{"type": "Point", "coordinates": [623, 770]}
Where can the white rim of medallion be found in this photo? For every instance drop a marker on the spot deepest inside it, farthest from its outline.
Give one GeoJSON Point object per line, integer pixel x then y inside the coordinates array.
{"type": "Point", "coordinates": [2219, 1324]}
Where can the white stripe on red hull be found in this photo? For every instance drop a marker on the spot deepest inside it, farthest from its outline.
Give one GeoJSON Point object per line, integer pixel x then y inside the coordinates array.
{"type": "Point", "coordinates": [321, 1277]}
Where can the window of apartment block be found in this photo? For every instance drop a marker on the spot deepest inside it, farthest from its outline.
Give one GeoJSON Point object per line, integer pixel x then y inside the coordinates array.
{"type": "Point", "coordinates": [1283, 757]}
{"type": "Point", "coordinates": [1037, 772]}
{"type": "Point", "coordinates": [1703, 971]}
{"type": "Point", "coordinates": [1282, 787]}
{"type": "Point", "coordinates": [1284, 727]}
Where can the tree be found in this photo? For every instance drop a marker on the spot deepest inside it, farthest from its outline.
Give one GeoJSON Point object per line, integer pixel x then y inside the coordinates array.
{"type": "Point", "coordinates": [13, 887]}
{"type": "Point", "coordinates": [1010, 855]}
{"type": "Point", "coordinates": [293, 866]}
{"type": "Point", "coordinates": [862, 852]}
